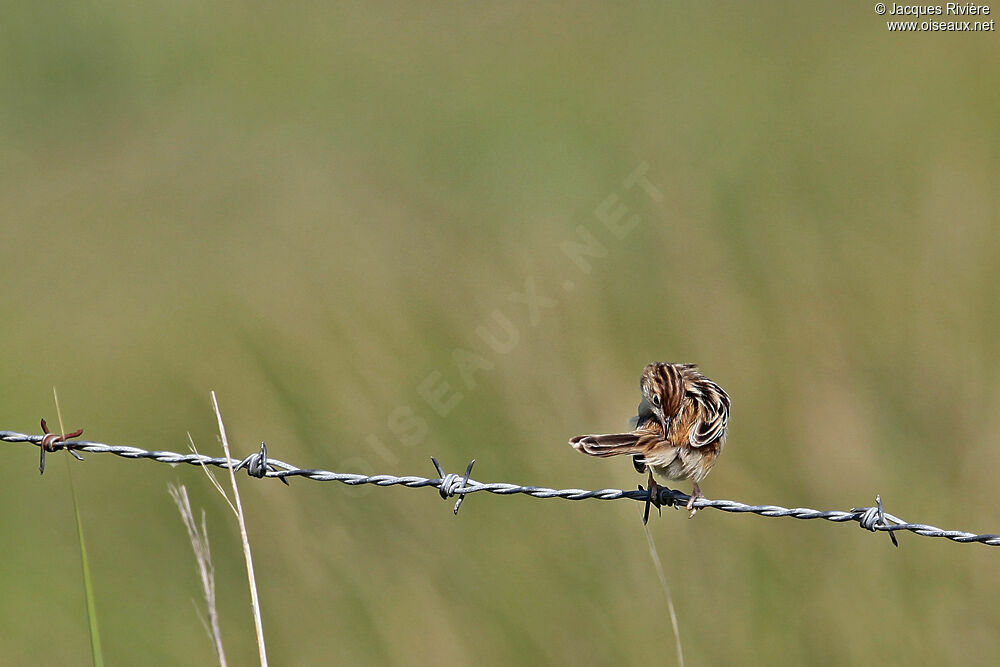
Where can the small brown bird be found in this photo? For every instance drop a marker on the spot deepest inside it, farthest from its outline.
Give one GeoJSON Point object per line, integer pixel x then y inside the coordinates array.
{"type": "Point", "coordinates": [679, 432]}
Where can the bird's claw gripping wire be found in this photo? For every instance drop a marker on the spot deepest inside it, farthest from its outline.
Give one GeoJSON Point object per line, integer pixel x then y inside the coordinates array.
{"type": "Point", "coordinates": [661, 496]}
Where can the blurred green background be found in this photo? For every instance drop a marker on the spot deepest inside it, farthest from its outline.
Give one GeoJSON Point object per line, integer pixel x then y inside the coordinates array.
{"type": "Point", "coordinates": [308, 208]}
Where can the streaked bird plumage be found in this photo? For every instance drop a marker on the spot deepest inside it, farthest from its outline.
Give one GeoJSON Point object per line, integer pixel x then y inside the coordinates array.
{"type": "Point", "coordinates": [680, 429]}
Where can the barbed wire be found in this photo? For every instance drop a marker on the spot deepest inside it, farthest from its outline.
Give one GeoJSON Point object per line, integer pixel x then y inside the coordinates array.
{"type": "Point", "coordinates": [260, 465]}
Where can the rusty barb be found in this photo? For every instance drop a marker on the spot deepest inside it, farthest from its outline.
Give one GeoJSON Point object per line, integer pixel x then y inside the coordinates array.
{"type": "Point", "coordinates": [53, 442]}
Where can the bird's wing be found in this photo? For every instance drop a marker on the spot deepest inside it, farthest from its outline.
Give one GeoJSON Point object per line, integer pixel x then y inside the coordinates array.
{"type": "Point", "coordinates": [713, 416]}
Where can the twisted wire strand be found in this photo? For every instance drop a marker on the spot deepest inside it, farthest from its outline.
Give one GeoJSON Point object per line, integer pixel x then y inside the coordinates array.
{"type": "Point", "coordinates": [260, 465]}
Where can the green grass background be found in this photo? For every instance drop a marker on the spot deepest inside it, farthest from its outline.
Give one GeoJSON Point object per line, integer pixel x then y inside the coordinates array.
{"type": "Point", "coordinates": [309, 207]}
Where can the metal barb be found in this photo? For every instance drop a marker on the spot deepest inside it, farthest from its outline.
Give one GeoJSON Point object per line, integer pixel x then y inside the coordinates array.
{"type": "Point", "coordinates": [453, 483]}
{"type": "Point", "coordinates": [52, 442]}
{"type": "Point", "coordinates": [257, 465]}
{"type": "Point", "coordinates": [873, 518]}
{"type": "Point", "coordinates": [666, 497]}
{"type": "Point", "coordinates": [660, 502]}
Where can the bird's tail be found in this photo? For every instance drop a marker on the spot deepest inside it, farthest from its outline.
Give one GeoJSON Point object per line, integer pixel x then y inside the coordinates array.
{"type": "Point", "coordinates": [613, 444]}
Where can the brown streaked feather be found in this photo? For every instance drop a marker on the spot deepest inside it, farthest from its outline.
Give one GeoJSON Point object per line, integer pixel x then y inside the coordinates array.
{"type": "Point", "coordinates": [711, 411]}
{"type": "Point", "coordinates": [616, 444]}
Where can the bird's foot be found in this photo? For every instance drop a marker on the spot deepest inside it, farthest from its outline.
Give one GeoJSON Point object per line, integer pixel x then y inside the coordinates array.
{"type": "Point", "coordinates": [653, 499]}
{"type": "Point", "coordinates": [695, 494]}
